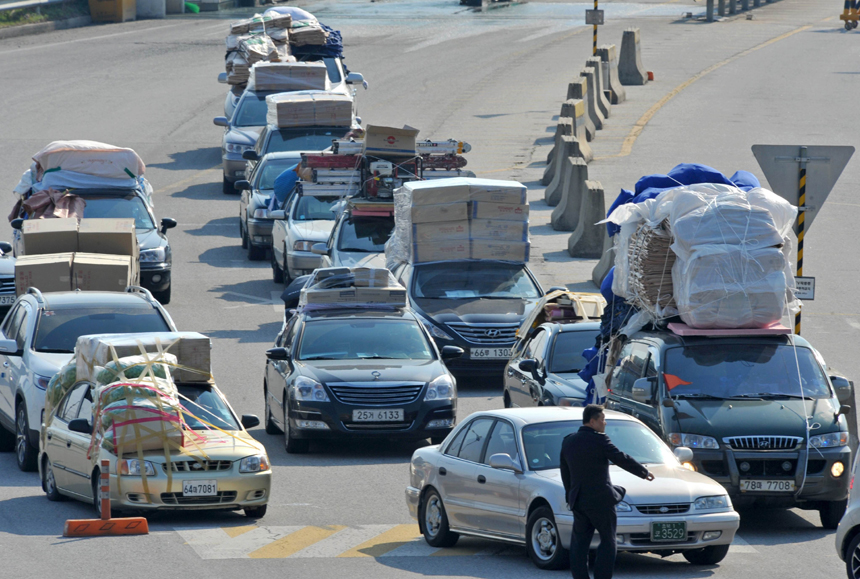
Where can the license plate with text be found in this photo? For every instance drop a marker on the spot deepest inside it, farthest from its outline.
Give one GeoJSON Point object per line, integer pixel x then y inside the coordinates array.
{"type": "Point", "coordinates": [199, 488]}
{"type": "Point", "coordinates": [490, 353]}
{"type": "Point", "coordinates": [388, 415]}
{"type": "Point", "coordinates": [778, 486]}
{"type": "Point", "coordinates": [7, 300]}
{"type": "Point", "coordinates": [669, 532]}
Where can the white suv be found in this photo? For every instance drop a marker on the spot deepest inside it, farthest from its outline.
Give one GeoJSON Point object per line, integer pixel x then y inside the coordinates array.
{"type": "Point", "coordinates": [38, 337]}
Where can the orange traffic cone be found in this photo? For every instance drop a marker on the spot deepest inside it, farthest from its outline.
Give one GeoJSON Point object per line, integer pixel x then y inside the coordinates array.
{"type": "Point", "coordinates": [106, 526]}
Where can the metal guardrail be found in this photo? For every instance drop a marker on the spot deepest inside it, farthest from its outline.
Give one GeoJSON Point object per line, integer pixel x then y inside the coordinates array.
{"type": "Point", "coordinates": [28, 4]}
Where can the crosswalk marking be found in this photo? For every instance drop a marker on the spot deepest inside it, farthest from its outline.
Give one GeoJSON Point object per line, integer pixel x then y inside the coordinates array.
{"type": "Point", "coordinates": [342, 541]}
{"type": "Point", "coordinates": [234, 532]}
{"type": "Point", "coordinates": [217, 544]}
{"type": "Point", "coordinates": [385, 542]}
{"type": "Point", "coordinates": [295, 542]}
{"type": "Point", "coordinates": [741, 546]}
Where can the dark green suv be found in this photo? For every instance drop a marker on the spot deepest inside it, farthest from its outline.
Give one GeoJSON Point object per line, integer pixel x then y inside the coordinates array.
{"type": "Point", "coordinates": [760, 413]}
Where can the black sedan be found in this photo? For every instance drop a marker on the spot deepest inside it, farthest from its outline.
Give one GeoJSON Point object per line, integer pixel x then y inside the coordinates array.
{"type": "Point", "coordinates": [543, 368]}
{"type": "Point", "coordinates": [348, 373]}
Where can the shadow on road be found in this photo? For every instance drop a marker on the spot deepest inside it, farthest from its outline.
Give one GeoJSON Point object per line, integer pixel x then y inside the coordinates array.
{"type": "Point", "coordinates": [265, 333]}
{"type": "Point", "coordinates": [372, 451]}
{"type": "Point", "coordinates": [223, 227]}
{"type": "Point", "coordinates": [198, 160]}
{"type": "Point", "coordinates": [230, 256]}
{"type": "Point", "coordinates": [207, 191]}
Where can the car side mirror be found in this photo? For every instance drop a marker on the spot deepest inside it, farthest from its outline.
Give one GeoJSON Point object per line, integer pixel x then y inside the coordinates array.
{"type": "Point", "coordinates": [668, 403]}
{"type": "Point", "coordinates": [250, 420]}
{"type": "Point", "coordinates": [451, 352]}
{"type": "Point", "coordinates": [683, 454]}
{"type": "Point", "coordinates": [529, 365]}
{"type": "Point", "coordinates": [844, 388]}
{"type": "Point", "coordinates": [319, 249]}
{"type": "Point", "coordinates": [643, 390]}
{"type": "Point", "coordinates": [8, 347]}
{"type": "Point", "coordinates": [222, 78]}
{"type": "Point", "coordinates": [81, 425]}
{"type": "Point", "coordinates": [844, 409]}
{"type": "Point", "coordinates": [557, 288]}
{"type": "Point", "coordinates": [277, 354]}
{"type": "Point", "coordinates": [277, 214]}
{"type": "Point", "coordinates": [242, 185]}
{"type": "Point", "coordinates": [251, 155]}
{"type": "Point", "coordinates": [504, 461]}
{"type": "Point", "coordinates": [17, 223]}
{"type": "Point", "coordinates": [5, 247]}
{"type": "Point", "coordinates": [354, 78]}
{"type": "Point", "coordinates": [167, 223]}
{"type": "Point", "coordinates": [221, 122]}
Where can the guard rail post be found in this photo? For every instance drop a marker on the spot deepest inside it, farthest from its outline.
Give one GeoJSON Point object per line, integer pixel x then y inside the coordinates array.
{"type": "Point", "coordinates": [721, 9]}
{"type": "Point", "coordinates": [745, 4]}
{"type": "Point", "coordinates": [733, 6]}
{"type": "Point", "coordinates": [709, 11]}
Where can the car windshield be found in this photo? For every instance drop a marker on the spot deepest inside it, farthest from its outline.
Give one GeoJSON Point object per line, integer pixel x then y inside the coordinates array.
{"type": "Point", "coordinates": [309, 208]}
{"type": "Point", "coordinates": [567, 350]}
{"type": "Point", "coordinates": [251, 111]}
{"type": "Point", "coordinates": [330, 65]}
{"type": "Point", "coordinates": [129, 206]}
{"type": "Point", "coordinates": [351, 339]}
{"type": "Point", "coordinates": [745, 371]}
{"type": "Point", "coordinates": [365, 235]}
{"type": "Point", "coordinates": [474, 279]}
{"type": "Point", "coordinates": [58, 330]}
{"type": "Point", "coordinates": [202, 405]}
{"type": "Point", "coordinates": [270, 170]}
{"type": "Point", "coordinates": [542, 442]}
{"type": "Point", "coordinates": [304, 139]}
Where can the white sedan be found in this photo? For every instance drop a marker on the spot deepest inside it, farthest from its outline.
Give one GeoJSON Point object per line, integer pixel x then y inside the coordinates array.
{"type": "Point", "coordinates": [497, 476]}
{"type": "Point", "coordinates": [307, 220]}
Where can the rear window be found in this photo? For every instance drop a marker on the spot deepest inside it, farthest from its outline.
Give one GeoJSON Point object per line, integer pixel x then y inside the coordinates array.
{"type": "Point", "coordinates": [314, 208]}
{"type": "Point", "coordinates": [366, 235]}
{"type": "Point", "coordinates": [351, 339]}
{"type": "Point", "coordinates": [58, 330]}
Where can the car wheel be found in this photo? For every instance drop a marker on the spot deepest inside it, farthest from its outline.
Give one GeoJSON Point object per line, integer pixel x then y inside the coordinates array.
{"type": "Point", "coordinates": [852, 558]}
{"type": "Point", "coordinates": [243, 236]}
{"type": "Point", "coordinates": [831, 513]}
{"type": "Point", "coordinates": [277, 272]}
{"type": "Point", "coordinates": [50, 483]}
{"type": "Point", "coordinates": [434, 521]}
{"type": "Point", "coordinates": [293, 445]}
{"type": "Point", "coordinates": [7, 440]}
{"type": "Point", "coordinates": [707, 556]}
{"type": "Point", "coordinates": [271, 427]}
{"type": "Point", "coordinates": [163, 296]}
{"type": "Point", "coordinates": [97, 503]}
{"type": "Point", "coordinates": [256, 253]}
{"type": "Point", "coordinates": [25, 454]}
{"type": "Point", "coordinates": [543, 541]}
{"type": "Point", "coordinates": [227, 187]}
{"type": "Point", "coordinates": [288, 275]}
{"type": "Point", "coordinates": [507, 400]}
{"type": "Point", "coordinates": [256, 512]}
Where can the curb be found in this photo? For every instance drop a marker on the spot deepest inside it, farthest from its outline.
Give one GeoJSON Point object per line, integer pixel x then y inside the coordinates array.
{"type": "Point", "coordinates": [40, 27]}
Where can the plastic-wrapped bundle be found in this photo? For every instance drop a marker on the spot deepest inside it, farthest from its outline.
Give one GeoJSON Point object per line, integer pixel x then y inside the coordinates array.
{"type": "Point", "coordinates": [257, 48]}
{"type": "Point", "coordinates": [89, 158]}
{"type": "Point", "coordinates": [58, 385]}
{"type": "Point", "coordinates": [304, 32]}
{"type": "Point", "coordinates": [135, 367]}
{"type": "Point", "coordinates": [332, 48]}
{"type": "Point", "coordinates": [288, 76]}
{"type": "Point", "coordinates": [651, 261]}
{"type": "Point", "coordinates": [146, 423]}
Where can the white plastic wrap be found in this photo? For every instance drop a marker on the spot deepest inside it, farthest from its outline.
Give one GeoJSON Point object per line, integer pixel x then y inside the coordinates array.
{"type": "Point", "coordinates": [26, 182]}
{"type": "Point", "coordinates": [90, 158]}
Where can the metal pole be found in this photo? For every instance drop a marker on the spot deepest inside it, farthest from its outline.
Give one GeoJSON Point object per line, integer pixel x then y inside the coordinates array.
{"type": "Point", "coordinates": [801, 206]}
{"type": "Point", "coordinates": [709, 11]}
{"type": "Point", "coordinates": [721, 8]}
{"type": "Point", "coordinates": [104, 495]}
{"type": "Point", "coordinates": [594, 48]}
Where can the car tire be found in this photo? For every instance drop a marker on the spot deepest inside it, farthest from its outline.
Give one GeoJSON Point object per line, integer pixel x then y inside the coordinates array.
{"type": "Point", "coordinates": [277, 272]}
{"type": "Point", "coordinates": [7, 440]}
{"type": "Point", "coordinates": [256, 512]}
{"type": "Point", "coordinates": [852, 558]}
{"type": "Point", "coordinates": [25, 454]}
{"type": "Point", "coordinates": [243, 236]}
{"type": "Point", "coordinates": [507, 400]}
{"type": "Point", "coordinates": [271, 427]}
{"type": "Point", "coordinates": [227, 187]}
{"type": "Point", "coordinates": [256, 253]}
{"type": "Point", "coordinates": [292, 445]}
{"type": "Point", "coordinates": [288, 275]}
{"type": "Point", "coordinates": [543, 541]}
{"type": "Point", "coordinates": [434, 521]}
{"type": "Point", "coordinates": [163, 296]}
{"type": "Point", "coordinates": [49, 483]}
{"type": "Point", "coordinates": [707, 556]}
{"type": "Point", "coordinates": [831, 513]}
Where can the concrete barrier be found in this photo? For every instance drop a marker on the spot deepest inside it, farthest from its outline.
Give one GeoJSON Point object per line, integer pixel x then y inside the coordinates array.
{"type": "Point", "coordinates": [579, 130]}
{"type": "Point", "coordinates": [600, 89]}
{"type": "Point", "coordinates": [568, 147]}
{"type": "Point", "coordinates": [607, 260]}
{"type": "Point", "coordinates": [609, 60]}
{"type": "Point", "coordinates": [565, 216]}
{"type": "Point", "coordinates": [564, 128]}
{"type": "Point", "coordinates": [578, 89]}
{"type": "Point", "coordinates": [567, 111]}
{"type": "Point", "coordinates": [587, 239]}
{"type": "Point", "coordinates": [594, 112]}
{"type": "Point", "coordinates": [630, 69]}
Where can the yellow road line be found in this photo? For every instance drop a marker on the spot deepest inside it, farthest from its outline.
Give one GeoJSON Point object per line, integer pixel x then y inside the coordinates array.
{"type": "Point", "coordinates": [295, 542]}
{"type": "Point", "coordinates": [387, 541]}
{"type": "Point", "coordinates": [234, 532]}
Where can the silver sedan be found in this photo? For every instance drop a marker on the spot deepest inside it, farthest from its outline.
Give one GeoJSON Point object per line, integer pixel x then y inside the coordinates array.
{"type": "Point", "coordinates": [308, 220]}
{"type": "Point", "coordinates": [497, 476]}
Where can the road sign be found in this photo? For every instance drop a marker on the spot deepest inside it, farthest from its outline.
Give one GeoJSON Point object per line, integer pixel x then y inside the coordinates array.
{"type": "Point", "coordinates": [594, 17]}
{"type": "Point", "coordinates": [824, 165]}
{"type": "Point", "coordinates": [804, 288]}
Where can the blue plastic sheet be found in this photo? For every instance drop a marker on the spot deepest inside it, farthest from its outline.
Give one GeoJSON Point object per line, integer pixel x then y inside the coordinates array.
{"type": "Point", "coordinates": [333, 46]}
{"type": "Point", "coordinates": [284, 185]}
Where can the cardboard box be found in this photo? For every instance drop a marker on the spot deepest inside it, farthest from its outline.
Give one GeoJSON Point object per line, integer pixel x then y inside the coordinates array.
{"type": "Point", "coordinates": [507, 251]}
{"type": "Point", "coordinates": [101, 272]}
{"type": "Point", "coordinates": [111, 236]}
{"type": "Point", "coordinates": [444, 212]}
{"type": "Point", "coordinates": [389, 141]}
{"type": "Point", "coordinates": [371, 277]}
{"type": "Point", "coordinates": [43, 236]}
{"type": "Point", "coordinates": [501, 211]}
{"type": "Point", "coordinates": [288, 76]}
{"type": "Point", "coordinates": [499, 230]}
{"type": "Point", "coordinates": [328, 296]}
{"type": "Point", "coordinates": [440, 251]}
{"type": "Point", "coordinates": [195, 355]}
{"type": "Point", "coordinates": [494, 191]}
{"type": "Point", "coordinates": [435, 192]}
{"type": "Point", "coordinates": [49, 273]}
{"type": "Point", "coordinates": [287, 110]}
{"type": "Point", "coordinates": [440, 231]}
{"type": "Point", "coordinates": [384, 295]}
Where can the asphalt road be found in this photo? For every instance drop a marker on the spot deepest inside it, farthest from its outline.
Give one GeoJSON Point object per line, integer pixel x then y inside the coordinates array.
{"type": "Point", "coordinates": [496, 80]}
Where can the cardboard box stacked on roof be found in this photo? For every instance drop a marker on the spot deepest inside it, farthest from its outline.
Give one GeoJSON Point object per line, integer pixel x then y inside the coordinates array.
{"type": "Point", "coordinates": [288, 76]}
{"type": "Point", "coordinates": [287, 110]}
{"type": "Point", "coordinates": [460, 218]}
{"type": "Point", "coordinates": [343, 285]}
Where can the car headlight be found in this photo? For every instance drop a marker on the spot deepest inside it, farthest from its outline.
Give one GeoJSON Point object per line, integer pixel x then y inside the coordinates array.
{"type": "Point", "coordinates": [156, 255]}
{"type": "Point", "coordinates": [237, 148]}
{"type": "Point", "coordinates": [302, 245]}
{"type": "Point", "coordinates": [132, 467]}
{"type": "Point", "coordinates": [259, 463]}
{"type": "Point", "coordinates": [434, 329]}
{"type": "Point", "coordinates": [261, 213]}
{"type": "Point", "coordinates": [693, 441]}
{"type": "Point", "coordinates": [623, 507]}
{"type": "Point", "coordinates": [41, 382]}
{"type": "Point", "coordinates": [717, 502]}
{"type": "Point", "coordinates": [832, 440]}
{"type": "Point", "coordinates": [309, 390]}
{"type": "Point", "coordinates": [442, 388]}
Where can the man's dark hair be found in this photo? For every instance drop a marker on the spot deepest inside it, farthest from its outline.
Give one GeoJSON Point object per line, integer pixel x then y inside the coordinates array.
{"type": "Point", "coordinates": [590, 412]}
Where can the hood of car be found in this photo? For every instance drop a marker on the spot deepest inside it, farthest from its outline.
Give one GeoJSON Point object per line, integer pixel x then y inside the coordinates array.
{"type": "Point", "coordinates": [7, 265]}
{"type": "Point", "coordinates": [366, 371]}
{"type": "Point", "coordinates": [212, 445]}
{"type": "Point", "coordinates": [243, 135]}
{"type": "Point", "coordinates": [476, 311]}
{"type": "Point", "coordinates": [721, 418]}
{"type": "Point", "coordinates": [568, 384]}
{"type": "Point", "coordinates": [359, 259]}
{"type": "Point", "coordinates": [150, 239]}
{"type": "Point", "coordinates": [45, 364]}
{"type": "Point", "coordinates": [317, 230]}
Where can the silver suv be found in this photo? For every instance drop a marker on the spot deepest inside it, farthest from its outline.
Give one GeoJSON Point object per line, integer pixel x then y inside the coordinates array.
{"type": "Point", "coordinates": [38, 337]}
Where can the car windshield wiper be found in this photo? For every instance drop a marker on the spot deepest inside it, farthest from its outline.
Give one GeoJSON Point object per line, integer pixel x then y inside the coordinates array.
{"type": "Point", "coordinates": [700, 396]}
{"type": "Point", "coordinates": [358, 250]}
{"type": "Point", "coordinates": [54, 351]}
{"type": "Point", "coordinates": [572, 371]}
{"type": "Point", "coordinates": [377, 357]}
{"type": "Point", "coordinates": [320, 358]}
{"type": "Point", "coordinates": [773, 395]}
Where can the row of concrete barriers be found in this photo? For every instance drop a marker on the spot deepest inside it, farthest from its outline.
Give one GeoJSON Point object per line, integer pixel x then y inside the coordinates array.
{"type": "Point", "coordinates": [730, 7]}
{"type": "Point", "coordinates": [578, 201]}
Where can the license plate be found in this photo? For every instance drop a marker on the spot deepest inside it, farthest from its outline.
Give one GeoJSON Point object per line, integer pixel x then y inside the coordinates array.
{"type": "Point", "coordinates": [7, 300]}
{"type": "Point", "coordinates": [490, 353]}
{"type": "Point", "coordinates": [199, 488]}
{"type": "Point", "coordinates": [668, 532]}
{"type": "Point", "coordinates": [377, 415]}
{"type": "Point", "coordinates": [768, 486]}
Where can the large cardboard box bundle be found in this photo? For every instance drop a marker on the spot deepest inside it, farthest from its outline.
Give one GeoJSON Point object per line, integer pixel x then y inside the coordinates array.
{"type": "Point", "coordinates": [287, 110]}
{"type": "Point", "coordinates": [304, 32]}
{"type": "Point", "coordinates": [288, 76]}
{"type": "Point", "coordinates": [499, 230]}
{"type": "Point", "coordinates": [360, 285]}
{"type": "Point", "coordinates": [371, 277]}
{"type": "Point", "coordinates": [440, 231]}
{"type": "Point", "coordinates": [502, 250]}
{"type": "Point", "coordinates": [446, 213]}
{"type": "Point", "coordinates": [389, 141]}
{"type": "Point", "coordinates": [43, 236]}
{"type": "Point", "coordinates": [50, 272]}
{"type": "Point", "coordinates": [441, 250]}
{"type": "Point", "coordinates": [113, 236]}
{"type": "Point", "coordinates": [102, 272]}
{"type": "Point", "coordinates": [500, 211]}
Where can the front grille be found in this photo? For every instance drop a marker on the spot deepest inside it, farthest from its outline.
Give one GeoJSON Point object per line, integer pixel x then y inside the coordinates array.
{"type": "Point", "coordinates": [762, 442]}
{"type": "Point", "coordinates": [489, 334]}
{"type": "Point", "coordinates": [663, 509]}
{"type": "Point", "coordinates": [377, 425]}
{"type": "Point", "coordinates": [367, 395]}
{"type": "Point", "coordinates": [223, 497]}
{"type": "Point", "coordinates": [198, 465]}
{"type": "Point", "coordinates": [645, 539]}
{"type": "Point", "coordinates": [767, 467]}
{"type": "Point", "coordinates": [816, 466]}
{"type": "Point", "coordinates": [7, 285]}
{"type": "Point", "coordinates": [714, 467]}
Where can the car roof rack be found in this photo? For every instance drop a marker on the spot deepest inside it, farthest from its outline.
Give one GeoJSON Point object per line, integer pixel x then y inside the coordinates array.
{"type": "Point", "coordinates": [136, 289]}
{"type": "Point", "coordinates": [38, 294]}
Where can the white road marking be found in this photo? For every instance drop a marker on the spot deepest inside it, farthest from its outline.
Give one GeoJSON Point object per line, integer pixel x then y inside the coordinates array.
{"type": "Point", "coordinates": [853, 323]}
{"type": "Point", "coordinates": [217, 544]}
{"type": "Point", "coordinates": [342, 541]}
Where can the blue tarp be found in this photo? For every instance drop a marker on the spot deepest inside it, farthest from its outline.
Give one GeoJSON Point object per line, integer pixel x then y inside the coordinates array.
{"type": "Point", "coordinates": [333, 46]}
{"type": "Point", "coordinates": [284, 184]}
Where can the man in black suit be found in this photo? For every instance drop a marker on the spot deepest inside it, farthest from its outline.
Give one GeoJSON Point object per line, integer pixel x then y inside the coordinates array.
{"type": "Point", "coordinates": [585, 458]}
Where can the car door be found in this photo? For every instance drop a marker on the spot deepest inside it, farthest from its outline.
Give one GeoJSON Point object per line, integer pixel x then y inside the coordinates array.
{"type": "Point", "coordinates": [522, 383]}
{"type": "Point", "coordinates": [649, 411]}
{"type": "Point", "coordinates": [7, 393]}
{"type": "Point", "coordinates": [456, 474]}
{"type": "Point", "coordinates": [78, 448]}
{"type": "Point", "coordinates": [14, 367]}
{"type": "Point", "coordinates": [58, 441]}
{"type": "Point", "coordinates": [497, 494]}
{"type": "Point", "coordinates": [279, 237]}
{"type": "Point", "coordinates": [278, 371]}
{"type": "Point", "coordinates": [631, 366]}
{"type": "Point", "coordinates": [537, 381]}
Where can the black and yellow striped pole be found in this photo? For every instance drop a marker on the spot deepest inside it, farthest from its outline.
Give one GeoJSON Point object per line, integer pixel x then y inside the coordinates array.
{"type": "Point", "coordinates": [801, 206]}
{"type": "Point", "coordinates": [594, 49]}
